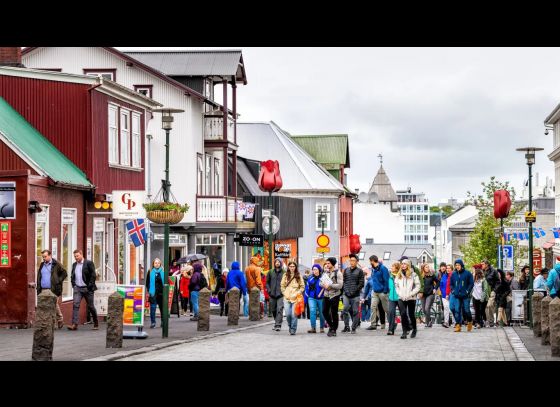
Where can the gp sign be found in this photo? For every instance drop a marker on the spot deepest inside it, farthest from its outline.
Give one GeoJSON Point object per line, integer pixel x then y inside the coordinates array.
{"type": "Point", "coordinates": [128, 205]}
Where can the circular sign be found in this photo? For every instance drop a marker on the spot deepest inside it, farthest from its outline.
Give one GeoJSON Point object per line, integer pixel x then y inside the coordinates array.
{"type": "Point", "coordinates": [323, 240]}
{"type": "Point", "coordinates": [275, 225]}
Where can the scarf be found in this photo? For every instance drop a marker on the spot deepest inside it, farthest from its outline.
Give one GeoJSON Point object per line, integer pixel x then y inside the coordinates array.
{"type": "Point", "coordinates": [153, 279]}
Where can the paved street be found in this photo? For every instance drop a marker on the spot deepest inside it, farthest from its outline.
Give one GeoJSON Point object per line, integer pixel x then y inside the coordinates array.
{"type": "Point", "coordinates": [262, 343]}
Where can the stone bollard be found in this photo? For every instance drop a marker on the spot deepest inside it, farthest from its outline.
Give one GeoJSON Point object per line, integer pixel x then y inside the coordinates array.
{"type": "Point", "coordinates": [536, 308]}
{"type": "Point", "coordinates": [204, 310]}
{"type": "Point", "coordinates": [545, 320]}
{"type": "Point", "coordinates": [43, 336]}
{"type": "Point", "coordinates": [554, 325]}
{"type": "Point", "coordinates": [233, 303]}
{"type": "Point", "coordinates": [115, 321]}
{"type": "Point", "coordinates": [254, 304]}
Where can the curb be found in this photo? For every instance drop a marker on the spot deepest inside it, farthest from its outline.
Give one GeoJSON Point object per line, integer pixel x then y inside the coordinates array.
{"type": "Point", "coordinates": [159, 346]}
{"type": "Point", "coordinates": [518, 346]}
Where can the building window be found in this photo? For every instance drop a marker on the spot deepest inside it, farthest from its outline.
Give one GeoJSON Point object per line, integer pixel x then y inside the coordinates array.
{"type": "Point", "coordinates": [41, 233]}
{"type": "Point", "coordinates": [68, 245]}
{"type": "Point", "coordinates": [110, 74]}
{"type": "Point", "coordinates": [386, 255]}
{"type": "Point", "coordinates": [125, 137]}
{"type": "Point", "coordinates": [113, 135]}
{"type": "Point", "coordinates": [136, 146]}
{"type": "Point", "coordinates": [208, 171]}
{"type": "Point", "coordinates": [199, 174]}
{"type": "Point", "coordinates": [216, 176]}
{"type": "Point", "coordinates": [323, 215]}
{"type": "Point", "coordinates": [146, 90]}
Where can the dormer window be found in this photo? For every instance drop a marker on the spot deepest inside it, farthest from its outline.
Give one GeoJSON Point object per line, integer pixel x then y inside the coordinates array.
{"type": "Point", "coordinates": [110, 74]}
{"type": "Point", "coordinates": [146, 90]}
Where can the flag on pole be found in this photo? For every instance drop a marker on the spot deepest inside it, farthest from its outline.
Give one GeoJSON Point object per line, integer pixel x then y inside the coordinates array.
{"type": "Point", "coordinates": [241, 208]}
{"type": "Point", "coordinates": [137, 231]}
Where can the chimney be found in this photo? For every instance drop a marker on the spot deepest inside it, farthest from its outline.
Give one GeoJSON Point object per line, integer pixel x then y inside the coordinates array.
{"type": "Point", "coordinates": [10, 56]}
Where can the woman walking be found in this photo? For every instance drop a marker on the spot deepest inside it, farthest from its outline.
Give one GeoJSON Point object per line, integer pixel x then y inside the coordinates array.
{"type": "Point", "coordinates": [480, 294]}
{"type": "Point", "coordinates": [407, 286]}
{"type": "Point", "coordinates": [393, 298]}
{"type": "Point", "coordinates": [430, 287]}
{"type": "Point", "coordinates": [154, 285]}
{"type": "Point", "coordinates": [184, 288]}
{"type": "Point", "coordinates": [333, 287]}
{"type": "Point", "coordinates": [314, 297]}
{"type": "Point", "coordinates": [291, 286]}
{"type": "Point", "coordinates": [220, 291]}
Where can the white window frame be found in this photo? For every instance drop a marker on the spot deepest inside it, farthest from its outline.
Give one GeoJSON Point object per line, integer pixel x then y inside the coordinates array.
{"type": "Point", "coordinates": [103, 74]}
{"type": "Point", "coordinates": [148, 89]}
{"type": "Point", "coordinates": [124, 137]}
{"type": "Point", "coordinates": [73, 243]}
{"type": "Point", "coordinates": [136, 146]}
{"type": "Point", "coordinates": [208, 174]}
{"type": "Point", "coordinates": [113, 143]}
{"type": "Point", "coordinates": [386, 255]}
{"type": "Point", "coordinates": [325, 207]}
{"type": "Point", "coordinates": [199, 174]}
{"type": "Point", "coordinates": [46, 236]}
{"type": "Point", "coordinates": [217, 176]}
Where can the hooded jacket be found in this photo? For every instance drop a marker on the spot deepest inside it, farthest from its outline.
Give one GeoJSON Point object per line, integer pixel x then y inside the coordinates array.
{"type": "Point", "coordinates": [407, 288]}
{"type": "Point", "coordinates": [552, 278]}
{"type": "Point", "coordinates": [462, 282]}
{"type": "Point", "coordinates": [253, 275]}
{"type": "Point", "coordinates": [313, 289]}
{"type": "Point", "coordinates": [236, 278]}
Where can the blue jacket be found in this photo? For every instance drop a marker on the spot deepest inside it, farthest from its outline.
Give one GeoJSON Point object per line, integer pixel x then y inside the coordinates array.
{"type": "Point", "coordinates": [368, 289]}
{"type": "Point", "coordinates": [236, 278]}
{"type": "Point", "coordinates": [313, 289]}
{"type": "Point", "coordinates": [443, 284]}
{"type": "Point", "coordinates": [380, 279]}
{"type": "Point", "coordinates": [462, 282]}
{"type": "Point", "coordinates": [552, 278]}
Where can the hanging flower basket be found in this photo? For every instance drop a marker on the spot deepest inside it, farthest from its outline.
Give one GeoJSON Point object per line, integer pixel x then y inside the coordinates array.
{"type": "Point", "coordinates": [165, 212]}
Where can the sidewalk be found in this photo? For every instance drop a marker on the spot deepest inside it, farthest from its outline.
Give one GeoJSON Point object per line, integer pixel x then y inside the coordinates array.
{"type": "Point", "coordinates": [533, 345]}
{"type": "Point", "coordinates": [16, 344]}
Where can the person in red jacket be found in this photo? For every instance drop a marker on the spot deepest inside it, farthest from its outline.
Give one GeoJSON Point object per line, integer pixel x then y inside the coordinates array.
{"type": "Point", "coordinates": [184, 288]}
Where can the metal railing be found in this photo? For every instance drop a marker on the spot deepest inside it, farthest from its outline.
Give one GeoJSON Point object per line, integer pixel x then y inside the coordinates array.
{"type": "Point", "coordinates": [217, 209]}
{"type": "Point", "coordinates": [214, 128]}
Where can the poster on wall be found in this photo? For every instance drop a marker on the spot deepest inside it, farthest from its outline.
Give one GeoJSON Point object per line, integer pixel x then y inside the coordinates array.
{"type": "Point", "coordinates": [133, 295]}
{"type": "Point", "coordinates": [517, 300]}
{"type": "Point", "coordinates": [54, 248]}
{"type": "Point", "coordinates": [5, 244]}
{"type": "Point", "coordinates": [7, 200]}
{"type": "Point", "coordinates": [101, 297]}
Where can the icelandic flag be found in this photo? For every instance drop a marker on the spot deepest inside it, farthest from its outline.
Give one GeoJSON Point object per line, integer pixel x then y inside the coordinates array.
{"type": "Point", "coordinates": [556, 232]}
{"type": "Point", "coordinates": [137, 231]}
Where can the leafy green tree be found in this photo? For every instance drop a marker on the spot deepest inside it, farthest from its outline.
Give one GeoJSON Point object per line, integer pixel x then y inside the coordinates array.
{"type": "Point", "coordinates": [484, 240]}
{"type": "Point", "coordinates": [446, 210]}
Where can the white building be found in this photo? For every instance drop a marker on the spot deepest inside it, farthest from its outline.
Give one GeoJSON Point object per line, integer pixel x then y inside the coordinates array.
{"type": "Point", "coordinates": [377, 218]}
{"type": "Point", "coordinates": [444, 246]}
{"type": "Point", "coordinates": [416, 211]}
{"type": "Point", "coordinates": [553, 122]}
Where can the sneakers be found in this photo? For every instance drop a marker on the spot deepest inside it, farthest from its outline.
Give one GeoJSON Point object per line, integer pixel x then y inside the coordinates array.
{"type": "Point", "coordinates": [153, 325]}
{"type": "Point", "coordinates": [60, 324]}
{"type": "Point", "coordinates": [371, 328]}
{"type": "Point", "coordinates": [331, 333]}
{"type": "Point", "coordinates": [95, 327]}
{"type": "Point", "coordinates": [413, 334]}
{"type": "Point", "coordinates": [469, 326]}
{"type": "Point", "coordinates": [322, 330]}
{"type": "Point", "coordinates": [88, 322]}
{"type": "Point", "coordinates": [445, 325]}
{"type": "Point", "coordinates": [346, 329]}
{"type": "Point", "coordinates": [312, 331]}
{"type": "Point", "coordinates": [403, 336]}
{"type": "Point", "coordinates": [194, 319]}
{"type": "Point", "coordinates": [292, 332]}
{"type": "Point", "coordinates": [457, 327]}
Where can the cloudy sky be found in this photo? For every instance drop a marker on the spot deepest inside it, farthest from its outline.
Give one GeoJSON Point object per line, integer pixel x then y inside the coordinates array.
{"type": "Point", "coordinates": [445, 119]}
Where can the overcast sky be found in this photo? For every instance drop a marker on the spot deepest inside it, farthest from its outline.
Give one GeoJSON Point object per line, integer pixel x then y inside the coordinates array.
{"type": "Point", "coordinates": [445, 119]}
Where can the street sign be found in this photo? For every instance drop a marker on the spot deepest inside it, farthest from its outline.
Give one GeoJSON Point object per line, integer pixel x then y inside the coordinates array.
{"type": "Point", "coordinates": [128, 204]}
{"type": "Point", "coordinates": [531, 216]}
{"type": "Point", "coordinates": [537, 262]}
{"type": "Point", "coordinates": [506, 253]}
{"type": "Point", "coordinates": [275, 225]}
{"type": "Point", "coordinates": [266, 213]}
{"type": "Point", "coordinates": [250, 240]}
{"type": "Point", "coordinates": [323, 240]}
{"type": "Point", "coordinates": [323, 250]}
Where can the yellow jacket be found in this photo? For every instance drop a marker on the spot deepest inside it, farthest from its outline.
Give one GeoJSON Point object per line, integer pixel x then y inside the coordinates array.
{"type": "Point", "coordinates": [291, 291]}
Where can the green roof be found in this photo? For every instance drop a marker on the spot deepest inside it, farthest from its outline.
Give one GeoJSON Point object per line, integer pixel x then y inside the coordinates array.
{"type": "Point", "coordinates": [326, 148]}
{"type": "Point", "coordinates": [36, 150]}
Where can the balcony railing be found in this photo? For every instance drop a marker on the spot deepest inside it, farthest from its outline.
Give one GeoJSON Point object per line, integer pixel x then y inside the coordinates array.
{"type": "Point", "coordinates": [217, 209]}
{"type": "Point", "coordinates": [214, 128]}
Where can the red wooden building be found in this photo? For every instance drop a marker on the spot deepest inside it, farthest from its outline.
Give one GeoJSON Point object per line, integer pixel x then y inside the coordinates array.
{"type": "Point", "coordinates": [66, 142]}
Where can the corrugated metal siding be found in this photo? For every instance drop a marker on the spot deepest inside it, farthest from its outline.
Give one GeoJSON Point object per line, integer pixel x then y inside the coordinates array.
{"type": "Point", "coordinates": [288, 210]}
{"type": "Point", "coordinates": [186, 136]}
{"type": "Point", "coordinates": [106, 178]}
{"type": "Point", "coordinates": [196, 63]}
{"type": "Point", "coordinates": [193, 83]}
{"type": "Point", "coordinates": [11, 161]}
{"type": "Point", "coordinates": [56, 109]}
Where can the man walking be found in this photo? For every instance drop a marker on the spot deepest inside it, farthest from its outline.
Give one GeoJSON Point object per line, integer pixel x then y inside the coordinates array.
{"type": "Point", "coordinates": [380, 286]}
{"type": "Point", "coordinates": [275, 293]}
{"type": "Point", "coordinates": [353, 282]}
{"type": "Point", "coordinates": [83, 285]}
{"type": "Point", "coordinates": [493, 279]}
{"type": "Point", "coordinates": [50, 276]}
{"type": "Point", "coordinates": [462, 283]}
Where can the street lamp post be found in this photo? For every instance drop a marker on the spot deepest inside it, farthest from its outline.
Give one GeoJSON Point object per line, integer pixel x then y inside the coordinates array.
{"type": "Point", "coordinates": [530, 156]}
{"type": "Point", "coordinates": [167, 125]}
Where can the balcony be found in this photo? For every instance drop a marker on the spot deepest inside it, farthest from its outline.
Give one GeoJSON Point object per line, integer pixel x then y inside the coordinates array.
{"type": "Point", "coordinates": [217, 209]}
{"type": "Point", "coordinates": [214, 127]}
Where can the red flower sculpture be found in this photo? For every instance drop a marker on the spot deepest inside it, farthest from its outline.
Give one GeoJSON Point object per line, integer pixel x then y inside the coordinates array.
{"type": "Point", "coordinates": [269, 177]}
{"type": "Point", "coordinates": [502, 204]}
{"type": "Point", "coordinates": [355, 245]}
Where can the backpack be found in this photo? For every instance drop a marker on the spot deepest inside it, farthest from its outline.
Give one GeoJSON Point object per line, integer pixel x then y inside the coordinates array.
{"type": "Point", "coordinates": [202, 282]}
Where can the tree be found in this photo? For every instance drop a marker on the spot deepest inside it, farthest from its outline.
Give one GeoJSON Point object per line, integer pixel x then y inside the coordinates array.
{"type": "Point", "coordinates": [446, 210]}
{"type": "Point", "coordinates": [483, 243]}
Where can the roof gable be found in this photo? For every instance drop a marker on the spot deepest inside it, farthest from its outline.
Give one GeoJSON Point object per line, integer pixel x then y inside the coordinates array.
{"type": "Point", "coordinates": [327, 148]}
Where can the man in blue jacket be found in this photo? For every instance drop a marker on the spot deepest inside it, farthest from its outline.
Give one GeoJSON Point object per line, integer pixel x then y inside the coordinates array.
{"type": "Point", "coordinates": [236, 278]}
{"type": "Point", "coordinates": [462, 283]}
{"type": "Point", "coordinates": [380, 286]}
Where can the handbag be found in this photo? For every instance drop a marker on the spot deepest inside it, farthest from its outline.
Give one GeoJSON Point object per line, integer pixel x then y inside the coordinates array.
{"type": "Point", "coordinates": [214, 300]}
{"type": "Point", "coordinates": [299, 308]}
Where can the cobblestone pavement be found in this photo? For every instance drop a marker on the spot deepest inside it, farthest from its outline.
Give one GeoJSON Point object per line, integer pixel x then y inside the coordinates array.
{"type": "Point", "coordinates": [262, 343]}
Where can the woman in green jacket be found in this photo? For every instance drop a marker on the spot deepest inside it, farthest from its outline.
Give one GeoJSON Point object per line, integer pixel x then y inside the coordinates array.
{"type": "Point", "coordinates": [393, 298]}
{"type": "Point", "coordinates": [480, 296]}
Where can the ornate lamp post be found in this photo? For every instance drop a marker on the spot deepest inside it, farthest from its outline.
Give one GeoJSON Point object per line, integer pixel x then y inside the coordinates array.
{"type": "Point", "coordinates": [167, 125]}
{"type": "Point", "coordinates": [530, 156]}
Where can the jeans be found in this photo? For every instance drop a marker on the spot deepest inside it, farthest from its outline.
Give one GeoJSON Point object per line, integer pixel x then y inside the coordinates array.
{"type": "Point", "coordinates": [408, 317]}
{"type": "Point", "coordinates": [427, 302]}
{"type": "Point", "coordinates": [366, 311]}
{"type": "Point", "coordinates": [376, 299]}
{"type": "Point", "coordinates": [291, 318]}
{"type": "Point", "coordinates": [246, 305]}
{"type": "Point", "coordinates": [479, 311]}
{"type": "Point", "coordinates": [79, 293]}
{"type": "Point", "coordinates": [461, 306]}
{"type": "Point", "coordinates": [392, 314]}
{"type": "Point", "coordinates": [330, 312]}
{"type": "Point", "coordinates": [194, 300]}
{"type": "Point", "coordinates": [155, 301]}
{"type": "Point", "coordinates": [277, 308]}
{"type": "Point", "coordinates": [315, 307]}
{"type": "Point", "coordinates": [351, 310]}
